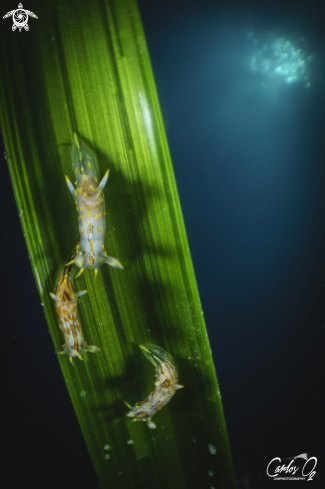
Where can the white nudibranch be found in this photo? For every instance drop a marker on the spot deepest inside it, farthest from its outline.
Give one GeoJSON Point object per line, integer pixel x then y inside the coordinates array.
{"type": "Point", "coordinates": [166, 385]}
{"type": "Point", "coordinates": [90, 202]}
{"type": "Point", "coordinates": [67, 311]}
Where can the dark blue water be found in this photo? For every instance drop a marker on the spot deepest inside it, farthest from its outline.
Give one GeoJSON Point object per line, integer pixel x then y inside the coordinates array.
{"type": "Point", "coordinates": [243, 97]}
{"type": "Point", "coordinates": [247, 138]}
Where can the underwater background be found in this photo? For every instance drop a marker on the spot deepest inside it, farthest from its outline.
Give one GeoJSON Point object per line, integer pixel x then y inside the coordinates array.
{"type": "Point", "coordinates": [242, 93]}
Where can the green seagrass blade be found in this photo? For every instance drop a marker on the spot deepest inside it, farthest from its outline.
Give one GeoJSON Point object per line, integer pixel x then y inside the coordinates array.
{"type": "Point", "coordinates": [84, 67]}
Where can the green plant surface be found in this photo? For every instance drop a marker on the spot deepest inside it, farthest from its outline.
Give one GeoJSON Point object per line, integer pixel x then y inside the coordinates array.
{"type": "Point", "coordinates": [84, 67]}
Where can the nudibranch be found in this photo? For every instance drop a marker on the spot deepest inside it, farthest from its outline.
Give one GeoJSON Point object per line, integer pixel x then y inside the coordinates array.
{"type": "Point", "coordinates": [90, 203]}
{"type": "Point", "coordinates": [166, 385]}
{"type": "Point", "coordinates": [67, 311]}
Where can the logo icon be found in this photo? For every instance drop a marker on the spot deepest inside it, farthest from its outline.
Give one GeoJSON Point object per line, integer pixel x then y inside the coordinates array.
{"type": "Point", "coordinates": [301, 467]}
{"type": "Point", "coordinates": [20, 18]}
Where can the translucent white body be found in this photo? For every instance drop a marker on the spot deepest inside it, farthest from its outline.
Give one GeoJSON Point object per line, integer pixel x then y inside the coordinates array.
{"type": "Point", "coordinates": [166, 385]}
{"type": "Point", "coordinates": [67, 311]}
{"type": "Point", "coordinates": [90, 203]}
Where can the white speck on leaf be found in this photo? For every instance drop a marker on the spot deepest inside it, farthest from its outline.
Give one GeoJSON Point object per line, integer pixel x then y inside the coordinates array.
{"type": "Point", "coordinates": [212, 449]}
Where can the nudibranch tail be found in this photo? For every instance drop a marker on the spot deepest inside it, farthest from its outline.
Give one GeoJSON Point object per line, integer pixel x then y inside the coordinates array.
{"type": "Point", "coordinates": [84, 161]}
{"type": "Point", "coordinates": [166, 385]}
{"type": "Point", "coordinates": [90, 202]}
{"type": "Point", "coordinates": [66, 307]}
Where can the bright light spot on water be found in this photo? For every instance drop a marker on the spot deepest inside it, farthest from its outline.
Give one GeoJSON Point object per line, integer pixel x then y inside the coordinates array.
{"type": "Point", "coordinates": [278, 59]}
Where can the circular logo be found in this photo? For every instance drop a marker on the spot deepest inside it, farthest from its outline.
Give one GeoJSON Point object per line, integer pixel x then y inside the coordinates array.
{"type": "Point", "coordinates": [20, 19]}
